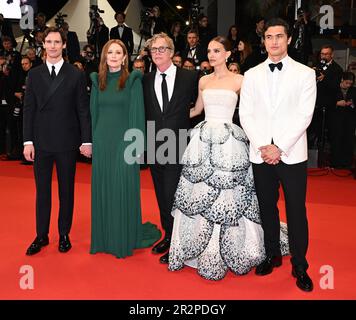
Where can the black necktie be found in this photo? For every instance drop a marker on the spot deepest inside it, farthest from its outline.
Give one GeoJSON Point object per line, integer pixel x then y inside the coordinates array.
{"type": "Point", "coordinates": [165, 98]}
{"type": "Point", "coordinates": [53, 73]}
{"type": "Point", "coordinates": [273, 66]}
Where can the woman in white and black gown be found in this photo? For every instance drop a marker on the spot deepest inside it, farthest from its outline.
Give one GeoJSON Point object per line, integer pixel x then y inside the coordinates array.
{"type": "Point", "coordinates": [217, 224]}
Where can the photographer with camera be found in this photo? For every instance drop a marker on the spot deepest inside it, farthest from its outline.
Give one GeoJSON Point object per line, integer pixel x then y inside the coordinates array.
{"type": "Point", "coordinates": [151, 22]}
{"type": "Point", "coordinates": [98, 33]}
{"type": "Point", "coordinates": [89, 62]}
{"type": "Point", "coordinates": [343, 123]}
{"type": "Point", "coordinates": [6, 31]}
{"type": "Point", "coordinates": [123, 32]}
{"type": "Point", "coordinates": [158, 24]}
{"type": "Point", "coordinates": [38, 44]}
{"type": "Point", "coordinates": [12, 56]}
{"type": "Point", "coordinates": [3, 105]}
{"type": "Point", "coordinates": [31, 54]}
{"type": "Point", "coordinates": [301, 45]}
{"type": "Point", "coordinates": [11, 69]}
{"type": "Point", "coordinates": [40, 26]}
{"type": "Point", "coordinates": [145, 55]}
{"type": "Point", "coordinates": [328, 77]}
{"type": "Point", "coordinates": [16, 112]}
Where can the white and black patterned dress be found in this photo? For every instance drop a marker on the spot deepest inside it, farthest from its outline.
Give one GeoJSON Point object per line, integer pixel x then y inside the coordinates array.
{"type": "Point", "coordinates": [217, 225]}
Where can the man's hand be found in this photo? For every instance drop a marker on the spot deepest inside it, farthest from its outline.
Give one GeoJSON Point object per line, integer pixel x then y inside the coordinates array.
{"type": "Point", "coordinates": [270, 154]}
{"type": "Point", "coordinates": [321, 77]}
{"type": "Point", "coordinates": [29, 152]}
{"type": "Point", "coordinates": [86, 150]}
{"type": "Point", "coordinates": [18, 95]}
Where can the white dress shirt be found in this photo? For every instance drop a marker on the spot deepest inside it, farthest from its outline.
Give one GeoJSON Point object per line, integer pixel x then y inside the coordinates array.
{"type": "Point", "coordinates": [170, 79]}
{"type": "Point", "coordinates": [121, 30]}
{"type": "Point", "coordinates": [191, 53]}
{"type": "Point", "coordinates": [275, 78]}
{"type": "Point", "coordinates": [57, 66]}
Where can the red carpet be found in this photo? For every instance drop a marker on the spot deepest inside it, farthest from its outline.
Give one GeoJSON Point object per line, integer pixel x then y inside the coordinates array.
{"type": "Point", "coordinates": [331, 205]}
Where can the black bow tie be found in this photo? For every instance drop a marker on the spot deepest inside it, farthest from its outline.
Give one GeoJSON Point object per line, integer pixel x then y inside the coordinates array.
{"type": "Point", "coordinates": [273, 66]}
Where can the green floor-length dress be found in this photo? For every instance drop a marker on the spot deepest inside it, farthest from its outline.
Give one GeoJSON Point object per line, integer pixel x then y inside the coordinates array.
{"type": "Point", "coordinates": [116, 206]}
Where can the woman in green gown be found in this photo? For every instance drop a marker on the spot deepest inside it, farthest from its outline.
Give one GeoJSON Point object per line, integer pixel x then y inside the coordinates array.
{"type": "Point", "coordinates": [116, 105]}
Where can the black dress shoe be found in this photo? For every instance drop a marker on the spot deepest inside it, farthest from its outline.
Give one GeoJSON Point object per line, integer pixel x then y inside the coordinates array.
{"type": "Point", "coordinates": [64, 244]}
{"type": "Point", "coordinates": [266, 267]}
{"type": "Point", "coordinates": [164, 259]}
{"type": "Point", "coordinates": [37, 245]}
{"type": "Point", "coordinates": [162, 246]}
{"type": "Point", "coordinates": [303, 280]}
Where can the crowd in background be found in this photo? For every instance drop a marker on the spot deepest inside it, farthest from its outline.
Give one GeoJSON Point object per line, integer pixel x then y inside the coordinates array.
{"type": "Point", "coordinates": [334, 116]}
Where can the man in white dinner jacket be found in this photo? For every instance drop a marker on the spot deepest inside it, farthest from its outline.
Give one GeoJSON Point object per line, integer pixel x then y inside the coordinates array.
{"type": "Point", "coordinates": [277, 104]}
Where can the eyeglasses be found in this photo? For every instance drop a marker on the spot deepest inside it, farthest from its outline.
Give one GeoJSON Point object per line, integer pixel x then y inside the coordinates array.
{"type": "Point", "coordinates": [159, 49]}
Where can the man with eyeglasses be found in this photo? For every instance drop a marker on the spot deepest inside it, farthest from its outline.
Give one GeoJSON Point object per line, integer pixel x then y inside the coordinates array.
{"type": "Point", "coordinates": [168, 93]}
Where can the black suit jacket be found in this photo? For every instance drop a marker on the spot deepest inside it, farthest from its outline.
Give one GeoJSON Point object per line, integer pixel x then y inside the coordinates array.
{"type": "Point", "coordinates": [327, 88]}
{"type": "Point", "coordinates": [200, 54]}
{"type": "Point", "coordinates": [127, 37]}
{"type": "Point", "coordinates": [176, 116]}
{"type": "Point", "coordinates": [56, 112]}
{"type": "Point", "coordinates": [73, 47]}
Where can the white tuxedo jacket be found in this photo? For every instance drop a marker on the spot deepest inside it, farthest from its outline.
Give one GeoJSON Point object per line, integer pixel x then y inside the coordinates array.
{"type": "Point", "coordinates": [287, 120]}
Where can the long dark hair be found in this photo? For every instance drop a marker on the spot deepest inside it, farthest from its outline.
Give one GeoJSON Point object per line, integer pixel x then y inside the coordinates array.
{"type": "Point", "coordinates": [224, 41]}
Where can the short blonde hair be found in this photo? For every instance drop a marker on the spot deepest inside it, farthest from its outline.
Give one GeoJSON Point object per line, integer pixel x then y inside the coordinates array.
{"type": "Point", "coordinates": [161, 35]}
{"type": "Point", "coordinates": [236, 65]}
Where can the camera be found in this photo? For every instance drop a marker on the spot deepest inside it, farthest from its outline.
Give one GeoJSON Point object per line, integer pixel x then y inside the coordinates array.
{"type": "Point", "coordinates": [300, 12]}
{"type": "Point", "coordinates": [146, 13]}
{"type": "Point", "coordinates": [94, 12]}
{"type": "Point", "coordinates": [194, 12]}
{"type": "Point", "coordinates": [89, 54]}
{"type": "Point", "coordinates": [146, 22]}
{"type": "Point", "coordinates": [320, 68]}
{"type": "Point", "coordinates": [59, 20]}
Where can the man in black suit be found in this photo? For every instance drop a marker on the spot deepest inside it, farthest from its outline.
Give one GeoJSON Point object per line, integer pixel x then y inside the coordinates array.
{"type": "Point", "coordinates": [123, 32]}
{"type": "Point", "coordinates": [343, 123]}
{"type": "Point", "coordinates": [328, 77]}
{"type": "Point", "coordinates": [168, 93]}
{"type": "Point", "coordinates": [56, 123]}
{"type": "Point", "coordinates": [72, 47]}
{"type": "Point", "coordinates": [194, 50]}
